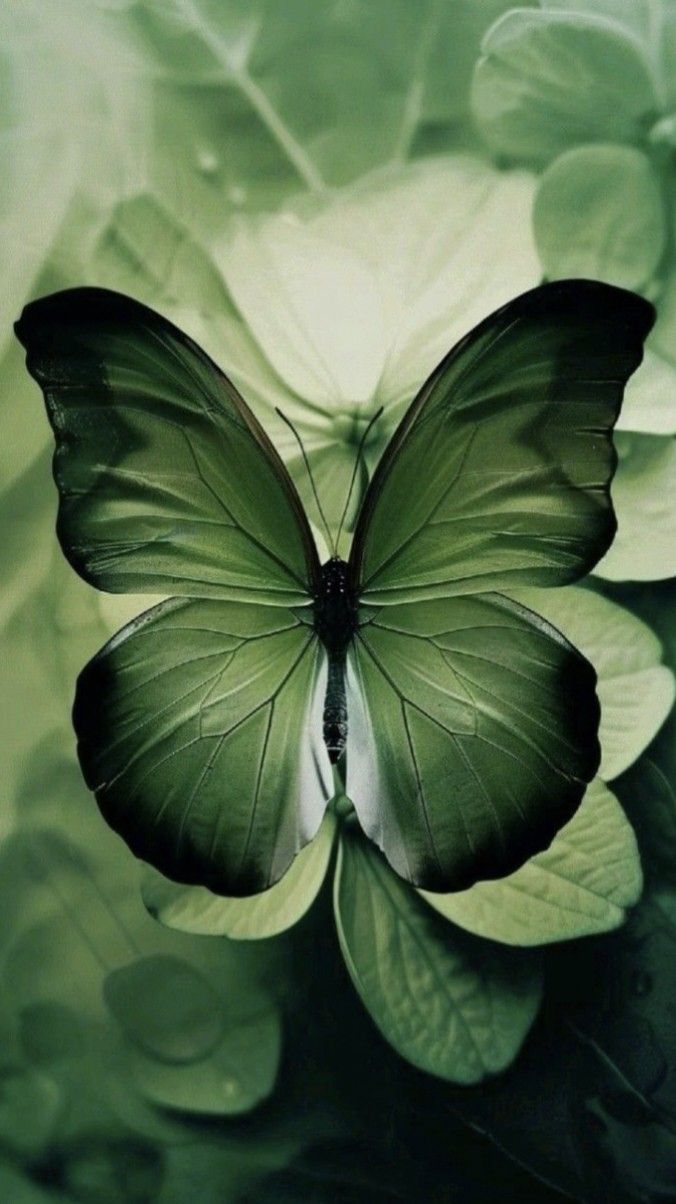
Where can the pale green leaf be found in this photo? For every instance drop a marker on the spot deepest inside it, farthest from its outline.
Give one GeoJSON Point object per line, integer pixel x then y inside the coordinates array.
{"type": "Point", "coordinates": [235, 68]}
{"type": "Point", "coordinates": [237, 1076]}
{"type": "Point", "coordinates": [451, 1005]}
{"type": "Point", "coordinates": [547, 81]}
{"type": "Point", "coordinates": [145, 251]}
{"type": "Point", "coordinates": [196, 910]}
{"type": "Point", "coordinates": [581, 885]}
{"type": "Point", "coordinates": [644, 497]}
{"type": "Point", "coordinates": [599, 213]}
{"type": "Point", "coordinates": [636, 691]}
{"type": "Point", "coordinates": [286, 282]}
{"type": "Point", "coordinates": [649, 405]}
{"type": "Point", "coordinates": [166, 1007]}
{"type": "Point", "coordinates": [358, 301]}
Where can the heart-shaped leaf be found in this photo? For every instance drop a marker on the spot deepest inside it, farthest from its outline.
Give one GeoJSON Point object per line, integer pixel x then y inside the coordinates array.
{"type": "Point", "coordinates": [580, 885]}
{"type": "Point", "coordinates": [452, 1005]}
{"type": "Point", "coordinates": [636, 691]}
{"type": "Point", "coordinates": [548, 81]}
{"type": "Point", "coordinates": [599, 214]}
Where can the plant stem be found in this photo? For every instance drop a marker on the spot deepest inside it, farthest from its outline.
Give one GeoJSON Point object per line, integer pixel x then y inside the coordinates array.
{"type": "Point", "coordinates": [257, 98]}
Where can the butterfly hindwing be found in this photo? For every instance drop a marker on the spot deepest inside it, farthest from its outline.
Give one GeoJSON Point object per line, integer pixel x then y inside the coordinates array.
{"type": "Point", "coordinates": [472, 736]}
{"type": "Point", "coordinates": [199, 729]}
{"type": "Point", "coordinates": [499, 474]}
{"type": "Point", "coordinates": [167, 483]}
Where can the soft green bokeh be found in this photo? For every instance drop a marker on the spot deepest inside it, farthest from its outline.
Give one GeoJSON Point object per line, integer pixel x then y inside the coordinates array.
{"type": "Point", "coordinates": [385, 201]}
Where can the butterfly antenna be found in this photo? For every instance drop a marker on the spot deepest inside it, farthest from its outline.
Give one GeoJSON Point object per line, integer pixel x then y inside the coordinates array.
{"type": "Point", "coordinates": [357, 461]}
{"type": "Point", "coordinates": [327, 529]}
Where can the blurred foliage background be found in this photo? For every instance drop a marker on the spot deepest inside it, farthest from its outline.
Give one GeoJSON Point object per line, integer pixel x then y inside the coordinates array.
{"type": "Point", "coordinates": [327, 195]}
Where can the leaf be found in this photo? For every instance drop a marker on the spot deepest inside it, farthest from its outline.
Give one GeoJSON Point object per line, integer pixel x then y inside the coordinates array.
{"type": "Point", "coordinates": [599, 213]}
{"type": "Point", "coordinates": [27, 537]}
{"type": "Point", "coordinates": [30, 1105]}
{"type": "Point", "coordinates": [109, 1169]}
{"type": "Point", "coordinates": [455, 38]}
{"type": "Point", "coordinates": [17, 1186]}
{"type": "Point", "coordinates": [237, 1076]}
{"type": "Point", "coordinates": [644, 497]}
{"type": "Point", "coordinates": [547, 81]}
{"type": "Point", "coordinates": [325, 362]}
{"type": "Point", "coordinates": [143, 250]}
{"type": "Point", "coordinates": [648, 797]}
{"type": "Point", "coordinates": [196, 910]}
{"type": "Point", "coordinates": [237, 69]}
{"type": "Point", "coordinates": [635, 690]}
{"type": "Point", "coordinates": [453, 1006]}
{"type": "Point", "coordinates": [383, 278]}
{"type": "Point", "coordinates": [649, 405]}
{"type": "Point", "coordinates": [166, 1008]}
{"type": "Point", "coordinates": [582, 884]}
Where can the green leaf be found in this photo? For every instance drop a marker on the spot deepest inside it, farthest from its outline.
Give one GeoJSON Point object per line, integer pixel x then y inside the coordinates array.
{"type": "Point", "coordinates": [599, 213]}
{"type": "Point", "coordinates": [15, 1185]}
{"type": "Point", "coordinates": [451, 1005]}
{"type": "Point", "coordinates": [30, 1106]}
{"type": "Point", "coordinates": [649, 405]}
{"type": "Point", "coordinates": [382, 278]}
{"type": "Point", "coordinates": [196, 910]}
{"type": "Point", "coordinates": [644, 497]}
{"type": "Point", "coordinates": [582, 884]}
{"type": "Point", "coordinates": [237, 1076]}
{"type": "Point", "coordinates": [485, 723]}
{"type": "Point", "coordinates": [166, 1008]}
{"type": "Point", "coordinates": [145, 251]}
{"type": "Point", "coordinates": [649, 798]}
{"type": "Point", "coordinates": [548, 81]}
{"type": "Point", "coordinates": [207, 69]}
{"type": "Point", "coordinates": [636, 691]}
{"type": "Point", "coordinates": [194, 694]}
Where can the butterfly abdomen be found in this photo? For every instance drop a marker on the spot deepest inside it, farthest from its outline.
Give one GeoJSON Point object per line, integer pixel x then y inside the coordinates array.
{"type": "Point", "coordinates": [335, 711]}
{"type": "Point", "coordinates": [335, 621]}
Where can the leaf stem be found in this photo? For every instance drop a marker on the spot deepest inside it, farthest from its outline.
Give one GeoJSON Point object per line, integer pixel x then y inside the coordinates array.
{"type": "Point", "coordinates": [280, 132]}
{"type": "Point", "coordinates": [414, 97]}
{"type": "Point", "coordinates": [259, 101]}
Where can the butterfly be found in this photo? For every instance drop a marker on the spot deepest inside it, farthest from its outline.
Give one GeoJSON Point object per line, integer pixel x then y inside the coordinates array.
{"type": "Point", "coordinates": [464, 724]}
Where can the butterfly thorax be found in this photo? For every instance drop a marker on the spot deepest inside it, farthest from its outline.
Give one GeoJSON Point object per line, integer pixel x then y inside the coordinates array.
{"type": "Point", "coordinates": [335, 607]}
{"type": "Point", "coordinates": [335, 615]}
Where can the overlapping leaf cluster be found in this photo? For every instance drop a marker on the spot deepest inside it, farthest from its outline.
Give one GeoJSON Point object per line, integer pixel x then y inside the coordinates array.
{"type": "Point", "coordinates": [327, 243]}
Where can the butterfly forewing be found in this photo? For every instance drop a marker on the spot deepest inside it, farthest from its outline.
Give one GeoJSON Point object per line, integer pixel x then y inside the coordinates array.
{"type": "Point", "coordinates": [166, 482]}
{"type": "Point", "coordinates": [499, 474]}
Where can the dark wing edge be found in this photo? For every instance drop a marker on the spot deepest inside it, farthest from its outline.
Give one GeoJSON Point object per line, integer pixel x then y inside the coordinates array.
{"type": "Point", "coordinates": [566, 292]}
{"type": "Point", "coordinates": [88, 302]}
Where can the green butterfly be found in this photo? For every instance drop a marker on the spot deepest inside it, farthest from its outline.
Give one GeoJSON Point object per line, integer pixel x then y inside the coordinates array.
{"type": "Point", "coordinates": [465, 724]}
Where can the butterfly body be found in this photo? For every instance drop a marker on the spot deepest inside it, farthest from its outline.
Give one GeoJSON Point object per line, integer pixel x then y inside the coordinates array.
{"type": "Point", "coordinates": [207, 727]}
{"type": "Point", "coordinates": [335, 622]}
